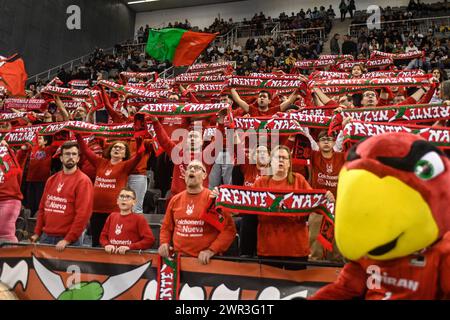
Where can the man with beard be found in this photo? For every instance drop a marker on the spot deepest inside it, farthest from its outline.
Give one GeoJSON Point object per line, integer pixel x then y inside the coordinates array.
{"type": "Point", "coordinates": [66, 203]}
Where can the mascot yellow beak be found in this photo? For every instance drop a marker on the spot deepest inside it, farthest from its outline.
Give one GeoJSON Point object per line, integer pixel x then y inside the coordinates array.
{"type": "Point", "coordinates": [380, 218]}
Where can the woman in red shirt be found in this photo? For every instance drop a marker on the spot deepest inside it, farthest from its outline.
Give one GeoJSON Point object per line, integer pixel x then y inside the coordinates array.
{"type": "Point", "coordinates": [283, 238]}
{"type": "Point", "coordinates": [10, 194]}
{"type": "Point", "coordinates": [112, 173]}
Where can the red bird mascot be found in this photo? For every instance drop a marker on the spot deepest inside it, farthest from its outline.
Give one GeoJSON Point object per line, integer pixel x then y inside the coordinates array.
{"type": "Point", "coordinates": [393, 221]}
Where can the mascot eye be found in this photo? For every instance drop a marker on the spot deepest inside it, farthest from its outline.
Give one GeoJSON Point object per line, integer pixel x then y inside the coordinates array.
{"type": "Point", "coordinates": [429, 166]}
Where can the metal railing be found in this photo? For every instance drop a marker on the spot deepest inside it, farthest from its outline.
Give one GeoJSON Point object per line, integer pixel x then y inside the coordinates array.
{"type": "Point", "coordinates": [228, 39]}
{"type": "Point", "coordinates": [249, 30]}
{"type": "Point", "coordinates": [168, 73]}
{"type": "Point", "coordinates": [53, 72]}
{"type": "Point", "coordinates": [421, 24]}
{"type": "Point", "coordinates": [276, 29]}
{"type": "Point", "coordinates": [303, 35]}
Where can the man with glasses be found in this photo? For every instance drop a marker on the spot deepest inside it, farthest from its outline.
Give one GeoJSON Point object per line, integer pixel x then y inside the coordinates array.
{"type": "Point", "coordinates": [326, 163]}
{"type": "Point", "coordinates": [66, 203]}
{"type": "Point", "coordinates": [184, 231]}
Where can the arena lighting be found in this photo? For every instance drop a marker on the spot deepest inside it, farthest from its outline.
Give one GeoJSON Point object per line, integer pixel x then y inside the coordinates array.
{"type": "Point", "coordinates": [141, 1]}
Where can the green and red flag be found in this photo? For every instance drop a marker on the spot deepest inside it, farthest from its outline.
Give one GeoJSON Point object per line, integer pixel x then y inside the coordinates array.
{"type": "Point", "coordinates": [180, 47]}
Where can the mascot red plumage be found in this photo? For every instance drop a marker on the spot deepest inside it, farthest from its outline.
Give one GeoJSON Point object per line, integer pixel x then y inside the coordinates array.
{"type": "Point", "coordinates": [392, 221]}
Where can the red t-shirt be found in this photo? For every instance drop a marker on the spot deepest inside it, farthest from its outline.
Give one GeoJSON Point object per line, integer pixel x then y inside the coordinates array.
{"type": "Point", "coordinates": [419, 277]}
{"type": "Point", "coordinates": [283, 236]}
{"type": "Point", "coordinates": [109, 178]}
{"type": "Point", "coordinates": [179, 169]}
{"type": "Point", "coordinates": [254, 111]}
{"type": "Point", "coordinates": [251, 174]}
{"type": "Point", "coordinates": [189, 234]}
{"type": "Point", "coordinates": [325, 172]}
{"type": "Point", "coordinates": [131, 230]}
{"type": "Point", "coordinates": [66, 206]}
{"type": "Point", "coordinates": [40, 163]}
{"type": "Point", "coordinates": [141, 167]}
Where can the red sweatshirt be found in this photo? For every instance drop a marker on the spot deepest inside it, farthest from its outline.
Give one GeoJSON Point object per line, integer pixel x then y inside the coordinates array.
{"type": "Point", "coordinates": [419, 277]}
{"type": "Point", "coordinates": [189, 234]}
{"type": "Point", "coordinates": [131, 231]}
{"type": "Point", "coordinates": [325, 172]}
{"type": "Point", "coordinates": [178, 183]}
{"type": "Point", "coordinates": [66, 206]}
{"type": "Point", "coordinates": [283, 236]}
{"type": "Point", "coordinates": [110, 179]}
{"type": "Point", "coordinates": [10, 176]}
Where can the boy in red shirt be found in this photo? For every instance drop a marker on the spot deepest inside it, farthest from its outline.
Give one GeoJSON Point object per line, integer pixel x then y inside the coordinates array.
{"type": "Point", "coordinates": [126, 230]}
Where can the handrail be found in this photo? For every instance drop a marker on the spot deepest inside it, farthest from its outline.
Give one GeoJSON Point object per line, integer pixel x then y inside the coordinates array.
{"type": "Point", "coordinates": [403, 21]}
{"type": "Point", "coordinates": [323, 263]}
{"type": "Point", "coordinates": [275, 30]}
{"type": "Point", "coordinates": [165, 74]}
{"type": "Point", "coordinates": [399, 21]}
{"type": "Point", "coordinates": [304, 32]}
{"type": "Point", "coordinates": [302, 29]}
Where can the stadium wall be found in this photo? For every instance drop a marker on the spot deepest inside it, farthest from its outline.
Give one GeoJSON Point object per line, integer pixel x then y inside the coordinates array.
{"type": "Point", "coordinates": [203, 16]}
{"type": "Point", "coordinates": [38, 30]}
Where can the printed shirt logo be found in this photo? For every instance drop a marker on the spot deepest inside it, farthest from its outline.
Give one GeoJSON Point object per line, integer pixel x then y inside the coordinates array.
{"type": "Point", "coordinates": [119, 229]}
{"type": "Point", "coordinates": [329, 168]}
{"type": "Point", "coordinates": [40, 155]}
{"type": "Point", "coordinates": [190, 209]}
{"type": "Point", "coordinates": [60, 186]}
{"type": "Point", "coordinates": [108, 173]}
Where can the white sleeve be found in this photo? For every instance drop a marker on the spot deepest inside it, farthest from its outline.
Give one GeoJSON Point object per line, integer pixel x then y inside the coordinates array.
{"type": "Point", "coordinates": [339, 142]}
{"type": "Point", "coordinates": [314, 145]}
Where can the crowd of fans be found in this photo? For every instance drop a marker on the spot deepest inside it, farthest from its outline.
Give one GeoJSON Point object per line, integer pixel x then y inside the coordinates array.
{"type": "Point", "coordinates": [103, 183]}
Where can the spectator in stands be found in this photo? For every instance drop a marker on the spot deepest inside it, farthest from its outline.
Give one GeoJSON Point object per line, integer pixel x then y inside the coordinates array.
{"type": "Point", "coordinates": [263, 105]}
{"type": "Point", "coordinates": [343, 9]}
{"type": "Point", "coordinates": [334, 44]}
{"type": "Point", "coordinates": [258, 166]}
{"type": "Point", "coordinates": [126, 230]}
{"type": "Point", "coordinates": [184, 231]}
{"type": "Point", "coordinates": [330, 12]}
{"type": "Point", "coordinates": [66, 204]}
{"type": "Point", "coordinates": [39, 167]}
{"type": "Point", "coordinates": [112, 173]}
{"type": "Point", "coordinates": [326, 163]}
{"type": "Point", "coordinates": [276, 235]}
{"type": "Point", "coordinates": [10, 194]}
{"type": "Point", "coordinates": [351, 7]}
{"type": "Point", "coordinates": [349, 46]}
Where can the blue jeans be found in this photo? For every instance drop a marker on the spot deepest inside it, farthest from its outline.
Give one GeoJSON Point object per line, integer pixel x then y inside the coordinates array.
{"type": "Point", "coordinates": [46, 239]}
{"type": "Point", "coordinates": [138, 183]}
{"type": "Point", "coordinates": [222, 170]}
